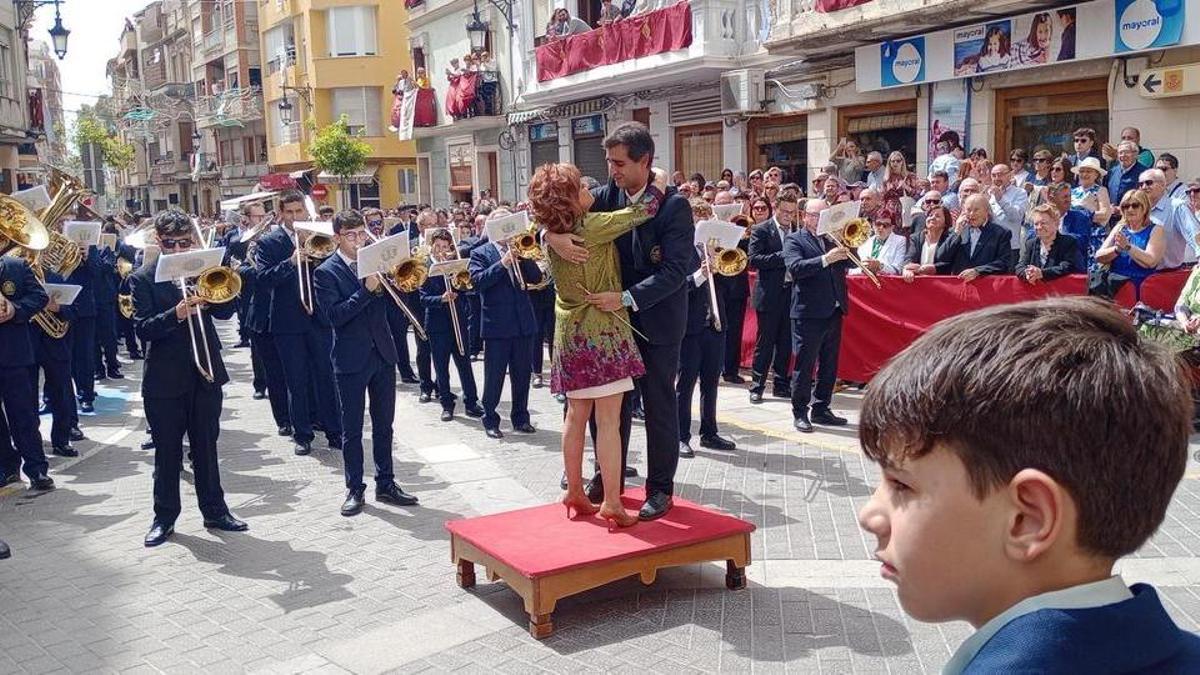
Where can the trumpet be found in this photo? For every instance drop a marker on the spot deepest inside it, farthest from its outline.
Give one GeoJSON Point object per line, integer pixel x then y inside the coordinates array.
{"type": "Point", "coordinates": [851, 235]}
{"type": "Point", "coordinates": [314, 248]}
{"type": "Point", "coordinates": [402, 277]}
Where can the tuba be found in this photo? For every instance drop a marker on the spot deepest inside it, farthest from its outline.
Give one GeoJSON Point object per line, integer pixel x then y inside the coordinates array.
{"type": "Point", "coordinates": [23, 235]}
{"type": "Point", "coordinates": [852, 234]}
{"type": "Point", "coordinates": [125, 305]}
{"type": "Point", "coordinates": [68, 192]}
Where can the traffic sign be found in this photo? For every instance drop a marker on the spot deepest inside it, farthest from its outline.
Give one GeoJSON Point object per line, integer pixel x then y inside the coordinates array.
{"type": "Point", "coordinates": [1181, 80]}
{"type": "Point", "coordinates": [320, 192]}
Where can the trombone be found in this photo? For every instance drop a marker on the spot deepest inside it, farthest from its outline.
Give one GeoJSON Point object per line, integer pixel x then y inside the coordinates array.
{"type": "Point", "coordinates": [215, 286]}
{"type": "Point", "coordinates": [315, 247]}
{"type": "Point", "coordinates": [454, 322]}
{"type": "Point", "coordinates": [524, 246]}
{"type": "Point", "coordinates": [852, 235]}
{"type": "Point", "coordinates": [398, 273]}
{"type": "Point", "coordinates": [727, 262]}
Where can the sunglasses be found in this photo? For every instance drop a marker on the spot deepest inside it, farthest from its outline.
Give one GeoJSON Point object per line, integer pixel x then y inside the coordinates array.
{"type": "Point", "coordinates": [175, 243]}
{"type": "Point", "coordinates": [933, 202]}
{"type": "Point", "coordinates": [1041, 161]}
{"type": "Point", "coordinates": [1131, 207]}
{"type": "Point", "coordinates": [1081, 140]}
{"type": "Point", "coordinates": [1058, 168]}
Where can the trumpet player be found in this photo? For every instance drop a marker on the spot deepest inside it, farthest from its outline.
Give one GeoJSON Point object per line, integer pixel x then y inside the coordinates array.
{"type": "Point", "coordinates": [364, 362]}
{"type": "Point", "coordinates": [178, 399]}
{"type": "Point", "coordinates": [445, 314]}
{"type": "Point", "coordinates": [53, 356]}
{"type": "Point", "coordinates": [508, 327]}
{"type": "Point", "coordinates": [818, 269]}
{"type": "Point", "coordinates": [268, 379]}
{"type": "Point", "coordinates": [303, 340]}
{"type": "Point", "coordinates": [107, 283]}
{"type": "Point", "coordinates": [21, 296]}
{"type": "Point", "coordinates": [419, 230]}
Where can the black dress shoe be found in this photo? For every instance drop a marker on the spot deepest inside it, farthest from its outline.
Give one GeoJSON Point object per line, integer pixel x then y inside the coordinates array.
{"type": "Point", "coordinates": [44, 410]}
{"type": "Point", "coordinates": [409, 379]}
{"type": "Point", "coordinates": [638, 413]}
{"type": "Point", "coordinates": [756, 397]}
{"type": "Point", "coordinates": [42, 482]}
{"type": "Point", "coordinates": [656, 506]}
{"type": "Point", "coordinates": [595, 489]}
{"type": "Point", "coordinates": [802, 424]}
{"type": "Point", "coordinates": [493, 432]}
{"type": "Point", "coordinates": [425, 397]}
{"type": "Point", "coordinates": [392, 494]}
{"type": "Point", "coordinates": [5, 551]}
{"type": "Point", "coordinates": [259, 395]}
{"type": "Point", "coordinates": [525, 428]}
{"type": "Point", "coordinates": [447, 415]}
{"type": "Point", "coordinates": [715, 442]}
{"type": "Point", "coordinates": [782, 393]}
{"type": "Point", "coordinates": [285, 430]}
{"type": "Point", "coordinates": [538, 382]}
{"type": "Point", "coordinates": [115, 374]}
{"type": "Point", "coordinates": [158, 534]}
{"type": "Point", "coordinates": [87, 407]}
{"type": "Point", "coordinates": [135, 356]}
{"type": "Point", "coordinates": [827, 418]}
{"type": "Point", "coordinates": [475, 410]}
{"type": "Point", "coordinates": [242, 344]}
{"type": "Point", "coordinates": [65, 451]}
{"type": "Point", "coordinates": [226, 523]}
{"type": "Point", "coordinates": [685, 450]}
{"type": "Point", "coordinates": [354, 502]}
{"type": "Point", "coordinates": [302, 447]}
{"type": "Point", "coordinates": [148, 444]}
{"type": "Point", "coordinates": [99, 376]}
{"type": "Point", "coordinates": [317, 426]}
{"type": "Point", "coordinates": [734, 379]}
{"type": "Point", "coordinates": [334, 443]}
{"type": "Point", "coordinates": [75, 434]}
{"type": "Point", "coordinates": [10, 478]}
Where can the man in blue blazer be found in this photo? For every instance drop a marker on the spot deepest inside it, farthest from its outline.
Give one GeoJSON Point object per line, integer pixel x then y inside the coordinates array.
{"type": "Point", "coordinates": [21, 296]}
{"type": "Point", "coordinates": [83, 330]}
{"type": "Point", "coordinates": [264, 354]}
{"type": "Point", "coordinates": [364, 362]}
{"type": "Point", "coordinates": [424, 222]}
{"type": "Point", "coordinates": [508, 327]}
{"type": "Point", "coordinates": [818, 269]}
{"type": "Point", "coordinates": [701, 357]}
{"type": "Point", "coordinates": [53, 357]}
{"type": "Point", "coordinates": [656, 259]}
{"type": "Point", "coordinates": [303, 340]}
{"type": "Point", "coordinates": [105, 289]}
{"type": "Point", "coordinates": [984, 247]}
{"type": "Point", "coordinates": [437, 299]}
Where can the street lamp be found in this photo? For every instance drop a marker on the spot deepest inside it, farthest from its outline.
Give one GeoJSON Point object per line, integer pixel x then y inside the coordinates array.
{"type": "Point", "coordinates": [58, 34]}
{"type": "Point", "coordinates": [477, 29]}
{"type": "Point", "coordinates": [285, 112]}
{"type": "Point", "coordinates": [286, 109]}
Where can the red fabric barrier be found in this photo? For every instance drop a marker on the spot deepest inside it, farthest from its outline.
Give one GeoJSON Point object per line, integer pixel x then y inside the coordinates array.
{"type": "Point", "coordinates": [426, 113]}
{"type": "Point", "coordinates": [461, 94]}
{"type": "Point", "coordinates": [1159, 291]}
{"type": "Point", "coordinates": [662, 30]}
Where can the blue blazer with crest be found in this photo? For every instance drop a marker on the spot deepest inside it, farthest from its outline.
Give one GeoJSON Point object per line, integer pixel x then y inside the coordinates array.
{"type": "Point", "coordinates": [358, 316]}
{"type": "Point", "coordinates": [507, 312]}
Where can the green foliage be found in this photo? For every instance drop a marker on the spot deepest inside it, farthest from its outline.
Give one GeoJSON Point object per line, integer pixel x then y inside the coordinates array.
{"type": "Point", "coordinates": [336, 151]}
{"type": "Point", "coordinates": [89, 129]}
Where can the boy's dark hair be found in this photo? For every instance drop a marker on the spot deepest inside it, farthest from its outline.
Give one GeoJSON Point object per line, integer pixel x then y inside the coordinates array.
{"type": "Point", "coordinates": [1061, 385]}
{"type": "Point", "coordinates": [635, 137]}
{"type": "Point", "coordinates": [347, 220]}
{"type": "Point", "coordinates": [786, 197]}
{"type": "Point", "coordinates": [1090, 134]}
{"type": "Point", "coordinates": [173, 222]}
{"type": "Point", "coordinates": [1170, 159]}
{"type": "Point", "coordinates": [441, 234]}
{"type": "Point", "coordinates": [326, 210]}
{"type": "Point", "coordinates": [290, 196]}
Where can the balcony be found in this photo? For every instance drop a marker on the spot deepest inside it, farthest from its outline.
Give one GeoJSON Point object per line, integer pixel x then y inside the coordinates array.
{"type": "Point", "coordinates": [233, 107]}
{"type": "Point", "coordinates": [686, 42]}
{"type": "Point", "coordinates": [149, 33]}
{"type": "Point", "coordinates": [213, 41]}
{"type": "Point", "coordinates": [154, 74]}
{"type": "Point", "coordinates": [234, 172]}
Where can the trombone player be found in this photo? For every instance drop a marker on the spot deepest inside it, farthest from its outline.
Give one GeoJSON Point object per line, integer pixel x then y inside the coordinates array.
{"type": "Point", "coordinates": [179, 399]}
{"type": "Point", "coordinates": [304, 340]}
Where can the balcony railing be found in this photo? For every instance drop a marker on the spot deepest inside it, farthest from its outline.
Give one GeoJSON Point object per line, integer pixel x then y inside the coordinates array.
{"type": "Point", "coordinates": [474, 94]}
{"type": "Point", "coordinates": [231, 107]}
{"type": "Point", "coordinates": [243, 171]}
{"type": "Point", "coordinates": [213, 40]}
{"type": "Point", "coordinates": [289, 133]}
{"type": "Point", "coordinates": [826, 26]}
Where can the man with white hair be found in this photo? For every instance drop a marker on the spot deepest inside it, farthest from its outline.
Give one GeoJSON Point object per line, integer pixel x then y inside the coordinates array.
{"type": "Point", "coordinates": [875, 170]}
{"type": "Point", "coordinates": [1177, 220]}
{"type": "Point", "coordinates": [1008, 204]}
{"type": "Point", "coordinates": [966, 188]}
{"type": "Point", "coordinates": [1123, 174]}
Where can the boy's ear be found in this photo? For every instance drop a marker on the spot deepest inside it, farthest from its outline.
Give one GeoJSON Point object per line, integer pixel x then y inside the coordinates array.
{"type": "Point", "coordinates": [1038, 512]}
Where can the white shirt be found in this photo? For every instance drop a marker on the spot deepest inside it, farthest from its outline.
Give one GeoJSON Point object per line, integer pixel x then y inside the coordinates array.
{"type": "Point", "coordinates": [948, 163]}
{"type": "Point", "coordinates": [875, 178]}
{"type": "Point", "coordinates": [350, 262]}
{"type": "Point", "coordinates": [1179, 225]}
{"type": "Point", "coordinates": [1009, 211]}
{"type": "Point", "coordinates": [1085, 596]}
{"type": "Point", "coordinates": [891, 254]}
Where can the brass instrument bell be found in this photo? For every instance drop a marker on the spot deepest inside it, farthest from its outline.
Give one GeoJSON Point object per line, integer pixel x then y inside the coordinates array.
{"type": "Point", "coordinates": [125, 305]}
{"type": "Point", "coordinates": [218, 285]}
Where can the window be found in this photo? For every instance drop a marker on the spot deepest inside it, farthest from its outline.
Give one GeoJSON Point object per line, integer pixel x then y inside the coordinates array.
{"type": "Point", "coordinates": [282, 134]}
{"type": "Point", "coordinates": [362, 107]}
{"type": "Point", "coordinates": [351, 31]}
{"type": "Point", "coordinates": [418, 58]}
{"type": "Point", "coordinates": [364, 196]}
{"type": "Point", "coordinates": [5, 70]}
{"type": "Point", "coordinates": [407, 179]}
{"type": "Point", "coordinates": [280, 44]}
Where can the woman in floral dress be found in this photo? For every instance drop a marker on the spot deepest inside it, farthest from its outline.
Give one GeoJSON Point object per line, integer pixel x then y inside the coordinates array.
{"type": "Point", "coordinates": [595, 358]}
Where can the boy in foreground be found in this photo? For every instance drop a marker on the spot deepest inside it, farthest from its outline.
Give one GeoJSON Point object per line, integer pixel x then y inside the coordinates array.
{"type": "Point", "coordinates": [1025, 448]}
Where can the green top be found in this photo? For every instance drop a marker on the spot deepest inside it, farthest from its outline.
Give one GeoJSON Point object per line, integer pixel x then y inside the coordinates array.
{"type": "Point", "coordinates": [1189, 297]}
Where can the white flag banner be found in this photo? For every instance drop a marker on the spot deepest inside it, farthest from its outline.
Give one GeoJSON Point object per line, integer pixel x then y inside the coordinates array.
{"type": "Point", "coordinates": [835, 217]}
{"type": "Point", "coordinates": [176, 266]}
{"type": "Point", "coordinates": [408, 112]}
{"type": "Point", "coordinates": [383, 255]}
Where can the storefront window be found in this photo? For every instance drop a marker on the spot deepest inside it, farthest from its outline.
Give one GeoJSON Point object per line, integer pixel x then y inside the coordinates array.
{"type": "Point", "coordinates": [882, 127]}
{"type": "Point", "coordinates": [781, 142]}
{"type": "Point", "coordinates": [587, 135]}
{"type": "Point", "coordinates": [1045, 116]}
{"type": "Point", "coordinates": [698, 149]}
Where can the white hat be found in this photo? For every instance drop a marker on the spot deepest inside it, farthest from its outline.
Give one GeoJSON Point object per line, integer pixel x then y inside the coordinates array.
{"type": "Point", "coordinates": [1089, 163]}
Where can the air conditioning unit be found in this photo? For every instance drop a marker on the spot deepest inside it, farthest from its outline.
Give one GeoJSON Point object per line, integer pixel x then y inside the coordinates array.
{"type": "Point", "coordinates": [742, 91]}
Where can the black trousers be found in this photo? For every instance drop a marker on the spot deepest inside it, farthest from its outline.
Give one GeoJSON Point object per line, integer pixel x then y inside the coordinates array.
{"type": "Point", "coordinates": [125, 329]}
{"type": "Point", "coordinates": [816, 342]}
{"type": "Point", "coordinates": [308, 373]}
{"type": "Point", "coordinates": [22, 449]}
{"type": "Point", "coordinates": [259, 372]}
{"type": "Point", "coordinates": [506, 357]}
{"type": "Point", "coordinates": [59, 398]}
{"type": "Point", "coordinates": [399, 323]}
{"type": "Point", "coordinates": [735, 321]}
{"type": "Point", "coordinates": [772, 349]}
{"type": "Point", "coordinates": [700, 358]}
{"type": "Point", "coordinates": [443, 349]}
{"type": "Point", "coordinates": [274, 381]}
{"type": "Point", "coordinates": [83, 357]}
{"type": "Point", "coordinates": [474, 324]}
{"type": "Point", "coordinates": [106, 338]}
{"type": "Point", "coordinates": [378, 380]}
{"type": "Point", "coordinates": [198, 415]}
{"type": "Point", "coordinates": [544, 313]}
{"type": "Point", "coordinates": [425, 365]}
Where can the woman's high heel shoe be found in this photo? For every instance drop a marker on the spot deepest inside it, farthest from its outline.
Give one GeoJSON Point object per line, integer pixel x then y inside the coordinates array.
{"type": "Point", "coordinates": [580, 503]}
{"type": "Point", "coordinates": [617, 519]}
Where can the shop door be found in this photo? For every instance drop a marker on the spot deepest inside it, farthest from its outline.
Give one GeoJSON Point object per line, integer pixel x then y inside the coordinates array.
{"type": "Point", "coordinates": [781, 142]}
{"type": "Point", "coordinates": [698, 149]}
{"type": "Point", "coordinates": [587, 135]}
{"type": "Point", "coordinates": [882, 127]}
{"type": "Point", "coordinates": [1046, 115]}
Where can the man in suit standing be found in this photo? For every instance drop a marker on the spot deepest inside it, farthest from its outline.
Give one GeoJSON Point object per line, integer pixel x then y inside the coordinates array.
{"type": "Point", "coordinates": [178, 399]}
{"type": "Point", "coordinates": [424, 223]}
{"type": "Point", "coordinates": [302, 339]}
{"type": "Point", "coordinates": [508, 327]}
{"type": "Point", "coordinates": [107, 280]}
{"type": "Point", "coordinates": [53, 357]}
{"type": "Point", "coordinates": [772, 297]}
{"type": "Point", "coordinates": [263, 350]}
{"type": "Point", "coordinates": [397, 320]}
{"type": "Point", "coordinates": [21, 296]}
{"type": "Point", "coordinates": [364, 362]}
{"type": "Point", "coordinates": [656, 259]}
{"type": "Point", "coordinates": [83, 330]}
{"type": "Point", "coordinates": [445, 314]}
{"type": "Point", "coordinates": [985, 248]}
{"type": "Point", "coordinates": [701, 357]}
{"type": "Point", "coordinates": [736, 291]}
{"type": "Point", "coordinates": [819, 303]}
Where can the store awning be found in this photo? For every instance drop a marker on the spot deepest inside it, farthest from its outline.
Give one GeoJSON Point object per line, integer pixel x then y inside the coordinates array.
{"type": "Point", "coordinates": [236, 202]}
{"type": "Point", "coordinates": [364, 177]}
{"type": "Point", "coordinates": [523, 116]}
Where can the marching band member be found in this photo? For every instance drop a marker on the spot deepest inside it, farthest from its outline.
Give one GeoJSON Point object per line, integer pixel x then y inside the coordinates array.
{"type": "Point", "coordinates": [397, 320]}
{"type": "Point", "coordinates": [542, 297]}
{"type": "Point", "coordinates": [107, 284]}
{"type": "Point", "coordinates": [125, 325]}
{"type": "Point", "coordinates": [303, 341]}
{"type": "Point", "coordinates": [364, 362]}
{"type": "Point", "coordinates": [237, 248]}
{"type": "Point", "coordinates": [178, 399]}
{"type": "Point", "coordinates": [424, 223]}
{"type": "Point", "coordinates": [508, 328]}
{"type": "Point", "coordinates": [435, 296]}
{"type": "Point", "coordinates": [269, 382]}
{"type": "Point", "coordinates": [466, 240]}
{"type": "Point", "coordinates": [21, 296]}
{"type": "Point", "coordinates": [701, 357]}
{"type": "Point", "coordinates": [53, 358]}
{"type": "Point", "coordinates": [83, 330]}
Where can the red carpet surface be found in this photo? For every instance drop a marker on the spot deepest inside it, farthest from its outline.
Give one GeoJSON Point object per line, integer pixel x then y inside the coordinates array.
{"type": "Point", "coordinates": [539, 540]}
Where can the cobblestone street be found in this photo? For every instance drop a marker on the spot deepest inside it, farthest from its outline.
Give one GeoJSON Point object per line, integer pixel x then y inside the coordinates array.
{"type": "Point", "coordinates": [309, 590]}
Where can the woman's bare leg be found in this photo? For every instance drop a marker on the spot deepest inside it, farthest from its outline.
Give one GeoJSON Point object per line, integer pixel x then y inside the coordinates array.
{"type": "Point", "coordinates": [578, 412]}
{"type": "Point", "coordinates": [608, 452]}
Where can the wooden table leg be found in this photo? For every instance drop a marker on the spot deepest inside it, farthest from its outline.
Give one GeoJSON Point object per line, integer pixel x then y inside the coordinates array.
{"type": "Point", "coordinates": [540, 626]}
{"type": "Point", "coordinates": [466, 574]}
{"type": "Point", "coordinates": [735, 577]}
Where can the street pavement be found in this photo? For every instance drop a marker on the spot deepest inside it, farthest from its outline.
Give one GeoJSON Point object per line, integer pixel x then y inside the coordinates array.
{"type": "Point", "coordinates": [307, 590]}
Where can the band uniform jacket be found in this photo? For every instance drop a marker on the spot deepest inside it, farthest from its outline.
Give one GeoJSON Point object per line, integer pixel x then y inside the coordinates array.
{"type": "Point", "coordinates": [656, 259]}
{"type": "Point", "coordinates": [19, 287]}
{"type": "Point", "coordinates": [772, 290]}
{"type": "Point", "coordinates": [358, 316]}
{"type": "Point", "coordinates": [273, 261]}
{"type": "Point", "coordinates": [47, 348]}
{"type": "Point", "coordinates": [817, 291]}
{"type": "Point", "coordinates": [507, 310]}
{"type": "Point", "coordinates": [170, 368]}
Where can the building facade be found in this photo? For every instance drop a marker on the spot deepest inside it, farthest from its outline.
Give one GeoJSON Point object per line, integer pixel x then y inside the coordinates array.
{"type": "Point", "coordinates": [14, 102]}
{"type": "Point", "coordinates": [325, 59]}
{"type": "Point", "coordinates": [47, 126]}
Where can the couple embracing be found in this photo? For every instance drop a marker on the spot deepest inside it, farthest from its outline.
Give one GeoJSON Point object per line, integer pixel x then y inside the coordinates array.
{"type": "Point", "coordinates": [620, 255]}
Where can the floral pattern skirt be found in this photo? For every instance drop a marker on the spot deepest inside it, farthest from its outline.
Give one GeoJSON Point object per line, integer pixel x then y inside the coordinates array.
{"type": "Point", "coordinates": [592, 353]}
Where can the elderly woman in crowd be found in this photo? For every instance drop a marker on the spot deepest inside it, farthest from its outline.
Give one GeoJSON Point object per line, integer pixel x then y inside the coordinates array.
{"type": "Point", "coordinates": [1133, 249]}
{"type": "Point", "coordinates": [1090, 195]}
{"type": "Point", "coordinates": [884, 252]}
{"type": "Point", "coordinates": [1192, 192]}
{"type": "Point", "coordinates": [1049, 254]}
{"type": "Point", "coordinates": [932, 250]}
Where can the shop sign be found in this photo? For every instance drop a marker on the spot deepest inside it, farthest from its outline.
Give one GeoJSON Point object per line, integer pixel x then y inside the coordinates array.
{"type": "Point", "coordinates": [543, 132]}
{"type": "Point", "coordinates": [587, 126]}
{"type": "Point", "coordinates": [1092, 30]}
{"type": "Point", "coordinates": [277, 181]}
{"type": "Point", "coordinates": [1181, 80]}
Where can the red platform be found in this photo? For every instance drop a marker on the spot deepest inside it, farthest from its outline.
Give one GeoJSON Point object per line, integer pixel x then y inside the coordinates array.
{"type": "Point", "coordinates": [544, 556]}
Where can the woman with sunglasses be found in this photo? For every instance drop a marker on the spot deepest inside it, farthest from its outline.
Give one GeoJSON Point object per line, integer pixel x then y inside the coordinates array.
{"type": "Point", "coordinates": [760, 210]}
{"type": "Point", "coordinates": [1133, 249]}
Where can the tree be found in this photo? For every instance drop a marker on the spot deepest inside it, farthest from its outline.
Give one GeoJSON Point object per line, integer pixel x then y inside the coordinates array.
{"type": "Point", "coordinates": [90, 130]}
{"type": "Point", "coordinates": [336, 151]}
